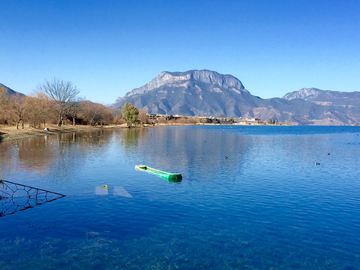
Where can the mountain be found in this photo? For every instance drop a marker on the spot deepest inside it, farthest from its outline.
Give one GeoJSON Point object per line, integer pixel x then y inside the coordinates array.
{"type": "Point", "coordinates": [326, 97]}
{"type": "Point", "coordinates": [173, 78]}
{"type": "Point", "coordinates": [208, 93]}
{"type": "Point", "coordinates": [191, 93]}
{"type": "Point", "coordinates": [345, 106]}
{"type": "Point", "coordinates": [9, 90]}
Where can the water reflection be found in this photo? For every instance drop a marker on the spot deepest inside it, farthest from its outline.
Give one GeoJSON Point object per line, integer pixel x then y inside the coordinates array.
{"type": "Point", "coordinates": [55, 156]}
{"type": "Point", "coordinates": [132, 138]}
{"type": "Point", "coordinates": [189, 151]}
{"type": "Point", "coordinates": [171, 149]}
{"type": "Point", "coordinates": [16, 197]}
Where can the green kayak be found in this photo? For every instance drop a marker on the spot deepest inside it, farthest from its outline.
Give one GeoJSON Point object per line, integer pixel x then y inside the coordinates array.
{"type": "Point", "coordinates": [170, 177]}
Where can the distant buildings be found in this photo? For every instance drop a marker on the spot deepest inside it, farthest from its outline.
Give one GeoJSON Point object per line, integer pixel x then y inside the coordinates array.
{"type": "Point", "coordinates": [212, 120]}
{"type": "Point", "coordinates": [250, 121]}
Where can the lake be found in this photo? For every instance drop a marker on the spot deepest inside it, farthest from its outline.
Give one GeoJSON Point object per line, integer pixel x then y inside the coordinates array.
{"type": "Point", "coordinates": [250, 198]}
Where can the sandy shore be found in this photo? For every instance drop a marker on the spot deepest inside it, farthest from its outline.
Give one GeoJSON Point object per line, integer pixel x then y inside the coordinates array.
{"type": "Point", "coordinates": [9, 133]}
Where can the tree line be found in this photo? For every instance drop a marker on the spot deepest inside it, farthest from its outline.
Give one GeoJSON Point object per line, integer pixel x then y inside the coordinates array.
{"type": "Point", "coordinates": [54, 101]}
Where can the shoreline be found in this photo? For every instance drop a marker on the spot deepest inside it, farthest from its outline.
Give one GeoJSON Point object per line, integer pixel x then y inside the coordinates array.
{"type": "Point", "coordinates": [10, 133]}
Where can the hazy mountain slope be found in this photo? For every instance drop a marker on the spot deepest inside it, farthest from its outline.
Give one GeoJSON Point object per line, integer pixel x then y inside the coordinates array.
{"type": "Point", "coordinates": [344, 106]}
{"type": "Point", "coordinates": [325, 97]}
{"type": "Point", "coordinates": [9, 90]}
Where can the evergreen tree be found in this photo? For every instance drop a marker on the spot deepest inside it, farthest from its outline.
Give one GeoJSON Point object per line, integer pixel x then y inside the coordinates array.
{"type": "Point", "coordinates": [129, 113]}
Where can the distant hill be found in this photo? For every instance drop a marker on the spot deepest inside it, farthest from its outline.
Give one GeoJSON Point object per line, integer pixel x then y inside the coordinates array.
{"type": "Point", "coordinates": [9, 90]}
{"type": "Point", "coordinates": [208, 93]}
{"type": "Point", "coordinates": [325, 97]}
{"type": "Point", "coordinates": [344, 106]}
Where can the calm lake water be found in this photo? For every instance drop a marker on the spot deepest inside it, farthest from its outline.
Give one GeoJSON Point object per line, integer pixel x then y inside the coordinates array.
{"type": "Point", "coordinates": [267, 205]}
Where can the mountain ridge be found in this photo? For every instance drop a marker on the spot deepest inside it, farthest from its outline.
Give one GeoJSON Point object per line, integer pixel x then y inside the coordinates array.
{"type": "Point", "coordinates": [204, 92]}
{"type": "Point", "coordinates": [204, 76]}
{"type": "Point", "coordinates": [326, 97]}
{"type": "Point", "coordinates": [10, 91]}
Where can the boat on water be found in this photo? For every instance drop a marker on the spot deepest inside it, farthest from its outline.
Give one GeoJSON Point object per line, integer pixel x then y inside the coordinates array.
{"type": "Point", "coordinates": [170, 177]}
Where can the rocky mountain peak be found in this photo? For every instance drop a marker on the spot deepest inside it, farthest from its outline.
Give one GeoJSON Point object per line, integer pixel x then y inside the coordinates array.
{"type": "Point", "coordinates": [304, 93]}
{"type": "Point", "coordinates": [175, 79]}
{"type": "Point", "coordinates": [205, 76]}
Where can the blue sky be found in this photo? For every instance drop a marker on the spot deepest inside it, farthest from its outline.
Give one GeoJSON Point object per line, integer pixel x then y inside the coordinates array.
{"type": "Point", "coordinates": [107, 48]}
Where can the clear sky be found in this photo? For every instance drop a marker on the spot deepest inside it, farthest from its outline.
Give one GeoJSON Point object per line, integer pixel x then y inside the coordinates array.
{"type": "Point", "coordinates": [107, 48]}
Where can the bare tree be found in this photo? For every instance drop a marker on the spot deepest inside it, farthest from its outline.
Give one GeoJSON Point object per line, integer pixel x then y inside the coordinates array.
{"type": "Point", "coordinates": [74, 109]}
{"type": "Point", "coordinates": [4, 105]}
{"type": "Point", "coordinates": [117, 116]}
{"type": "Point", "coordinates": [38, 109]}
{"type": "Point", "coordinates": [62, 93]}
{"type": "Point", "coordinates": [107, 116]}
{"type": "Point", "coordinates": [117, 120]}
{"type": "Point", "coordinates": [95, 113]}
{"type": "Point", "coordinates": [12, 107]}
{"type": "Point", "coordinates": [142, 117]}
{"type": "Point", "coordinates": [115, 111]}
{"type": "Point", "coordinates": [17, 109]}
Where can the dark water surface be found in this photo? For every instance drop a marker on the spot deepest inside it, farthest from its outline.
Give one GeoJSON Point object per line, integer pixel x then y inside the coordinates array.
{"type": "Point", "coordinates": [265, 206]}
